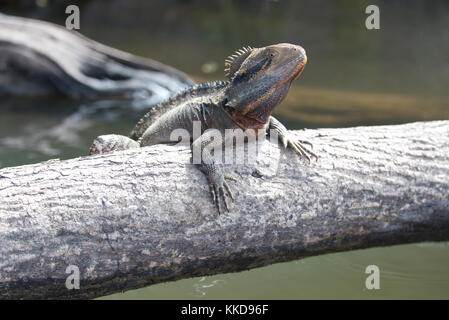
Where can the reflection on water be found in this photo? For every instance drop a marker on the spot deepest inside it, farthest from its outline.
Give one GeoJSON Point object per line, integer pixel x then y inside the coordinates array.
{"type": "Point", "coordinates": [205, 284]}
{"type": "Point", "coordinates": [31, 132]}
{"type": "Point", "coordinates": [354, 77]}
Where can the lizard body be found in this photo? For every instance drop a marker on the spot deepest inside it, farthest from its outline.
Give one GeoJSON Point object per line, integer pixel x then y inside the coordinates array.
{"type": "Point", "coordinates": [258, 81]}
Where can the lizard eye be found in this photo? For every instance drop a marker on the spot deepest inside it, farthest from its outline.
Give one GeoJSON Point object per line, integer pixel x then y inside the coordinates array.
{"type": "Point", "coordinates": [272, 54]}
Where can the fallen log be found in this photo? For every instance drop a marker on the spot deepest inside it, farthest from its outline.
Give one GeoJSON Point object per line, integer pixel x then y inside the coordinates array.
{"type": "Point", "coordinates": [38, 58]}
{"type": "Point", "coordinates": [138, 217]}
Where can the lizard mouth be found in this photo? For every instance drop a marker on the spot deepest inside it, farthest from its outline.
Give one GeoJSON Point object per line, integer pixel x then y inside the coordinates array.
{"type": "Point", "coordinates": [299, 68]}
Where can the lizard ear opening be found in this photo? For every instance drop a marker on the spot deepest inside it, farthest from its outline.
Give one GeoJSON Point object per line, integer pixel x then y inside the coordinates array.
{"type": "Point", "coordinates": [234, 61]}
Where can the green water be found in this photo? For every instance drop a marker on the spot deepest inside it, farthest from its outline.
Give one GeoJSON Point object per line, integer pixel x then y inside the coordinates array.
{"type": "Point", "coordinates": [397, 74]}
{"type": "Point", "coordinates": [418, 271]}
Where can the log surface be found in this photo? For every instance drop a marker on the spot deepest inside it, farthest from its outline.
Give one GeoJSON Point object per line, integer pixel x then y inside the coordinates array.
{"type": "Point", "coordinates": [143, 216]}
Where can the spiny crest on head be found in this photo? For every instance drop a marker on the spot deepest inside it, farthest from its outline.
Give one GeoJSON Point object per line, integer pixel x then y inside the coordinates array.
{"type": "Point", "coordinates": [234, 61]}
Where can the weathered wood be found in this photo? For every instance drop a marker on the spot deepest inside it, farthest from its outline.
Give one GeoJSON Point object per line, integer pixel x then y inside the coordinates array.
{"type": "Point", "coordinates": [40, 58]}
{"type": "Point", "coordinates": [143, 216]}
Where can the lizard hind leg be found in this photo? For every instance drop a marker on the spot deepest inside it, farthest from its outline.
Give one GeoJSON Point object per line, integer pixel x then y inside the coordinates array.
{"type": "Point", "coordinates": [112, 142]}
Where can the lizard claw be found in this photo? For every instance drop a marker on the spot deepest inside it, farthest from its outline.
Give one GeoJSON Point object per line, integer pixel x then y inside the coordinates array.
{"type": "Point", "coordinates": [287, 141]}
{"type": "Point", "coordinates": [284, 141]}
{"type": "Point", "coordinates": [301, 150]}
{"type": "Point", "coordinates": [306, 142]}
{"type": "Point", "coordinates": [220, 192]}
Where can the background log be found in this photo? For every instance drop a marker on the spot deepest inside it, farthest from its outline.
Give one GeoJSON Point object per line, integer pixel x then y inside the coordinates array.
{"type": "Point", "coordinates": [40, 58]}
{"type": "Point", "coordinates": [143, 216]}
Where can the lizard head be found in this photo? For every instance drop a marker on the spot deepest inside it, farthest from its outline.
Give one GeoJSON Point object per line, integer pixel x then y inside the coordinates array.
{"type": "Point", "coordinates": [259, 78]}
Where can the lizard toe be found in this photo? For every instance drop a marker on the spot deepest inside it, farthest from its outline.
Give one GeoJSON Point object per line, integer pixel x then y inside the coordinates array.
{"type": "Point", "coordinates": [306, 142]}
{"type": "Point", "coordinates": [223, 197]}
{"type": "Point", "coordinates": [228, 190]}
{"type": "Point", "coordinates": [303, 151]}
{"type": "Point", "coordinates": [299, 150]}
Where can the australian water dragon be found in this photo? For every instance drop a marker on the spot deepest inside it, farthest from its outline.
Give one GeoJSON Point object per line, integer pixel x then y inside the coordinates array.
{"type": "Point", "coordinates": [258, 81]}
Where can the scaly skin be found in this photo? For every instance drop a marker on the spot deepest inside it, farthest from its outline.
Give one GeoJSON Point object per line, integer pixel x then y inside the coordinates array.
{"type": "Point", "coordinates": [259, 79]}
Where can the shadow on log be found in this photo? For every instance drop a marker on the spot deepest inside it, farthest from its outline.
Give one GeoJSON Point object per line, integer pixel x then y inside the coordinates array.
{"type": "Point", "coordinates": [38, 58]}
{"type": "Point", "coordinates": [138, 217]}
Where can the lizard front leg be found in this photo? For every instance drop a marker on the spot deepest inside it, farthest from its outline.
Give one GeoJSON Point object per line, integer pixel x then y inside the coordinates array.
{"type": "Point", "coordinates": [219, 188]}
{"type": "Point", "coordinates": [287, 141]}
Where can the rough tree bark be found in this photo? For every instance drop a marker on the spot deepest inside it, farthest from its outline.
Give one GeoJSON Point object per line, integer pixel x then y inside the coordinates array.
{"type": "Point", "coordinates": [40, 58]}
{"type": "Point", "coordinates": [143, 216]}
